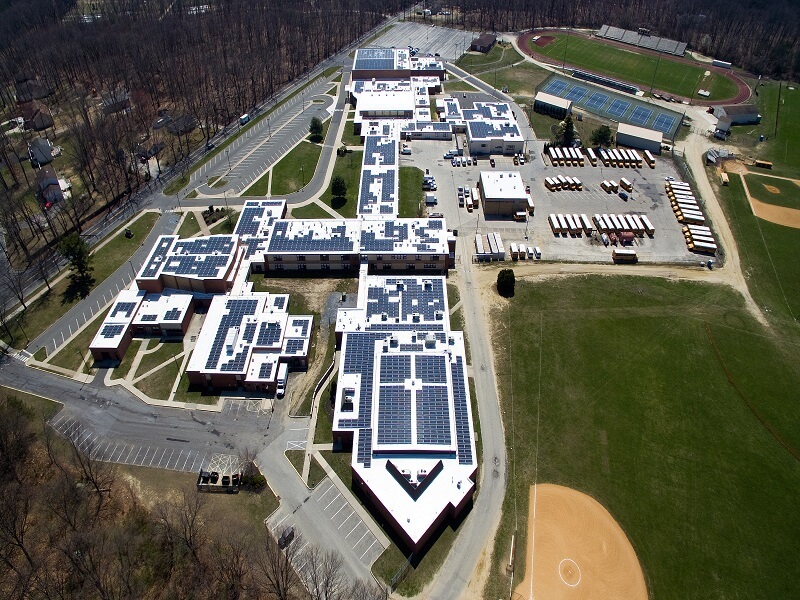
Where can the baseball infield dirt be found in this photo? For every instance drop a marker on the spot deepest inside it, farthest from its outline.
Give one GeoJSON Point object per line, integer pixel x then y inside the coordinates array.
{"type": "Point", "coordinates": [576, 550]}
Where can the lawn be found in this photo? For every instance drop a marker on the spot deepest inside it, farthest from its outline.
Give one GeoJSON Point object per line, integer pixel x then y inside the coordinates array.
{"type": "Point", "coordinates": [349, 167]}
{"type": "Point", "coordinates": [521, 80]}
{"type": "Point", "coordinates": [72, 356]}
{"type": "Point", "coordinates": [782, 146]}
{"type": "Point", "coordinates": [160, 352]}
{"type": "Point", "coordinates": [672, 76]}
{"type": "Point", "coordinates": [295, 169]}
{"type": "Point", "coordinates": [124, 367]}
{"type": "Point", "coordinates": [671, 406]}
{"type": "Point", "coordinates": [189, 226]}
{"type": "Point", "coordinates": [497, 58]}
{"type": "Point", "coordinates": [260, 187]}
{"type": "Point", "coordinates": [458, 85]}
{"type": "Point", "coordinates": [348, 137]}
{"type": "Point", "coordinates": [43, 408]}
{"type": "Point", "coordinates": [768, 253]}
{"type": "Point", "coordinates": [158, 385]}
{"type": "Point", "coordinates": [310, 211]}
{"type": "Point", "coordinates": [410, 204]}
{"type": "Point", "coordinates": [788, 192]}
{"type": "Point", "coordinates": [193, 394]}
{"type": "Point", "coordinates": [48, 308]}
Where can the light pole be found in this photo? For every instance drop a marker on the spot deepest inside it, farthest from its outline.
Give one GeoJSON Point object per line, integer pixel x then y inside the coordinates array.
{"type": "Point", "coordinates": [303, 174]}
{"type": "Point", "coordinates": [655, 72]}
{"type": "Point", "coordinates": [269, 128]}
{"type": "Point", "coordinates": [178, 198]}
{"type": "Point", "coordinates": [228, 156]}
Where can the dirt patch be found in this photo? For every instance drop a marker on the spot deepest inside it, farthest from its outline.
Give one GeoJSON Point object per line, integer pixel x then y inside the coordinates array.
{"type": "Point", "coordinates": [780, 215]}
{"type": "Point", "coordinates": [575, 549]}
{"type": "Point", "coordinates": [544, 40]}
{"type": "Point", "coordinates": [771, 189]}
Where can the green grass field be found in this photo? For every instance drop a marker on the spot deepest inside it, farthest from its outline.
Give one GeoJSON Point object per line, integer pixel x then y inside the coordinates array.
{"type": "Point", "coordinates": [349, 167]}
{"type": "Point", "coordinates": [625, 396]}
{"type": "Point", "coordinates": [310, 211]}
{"type": "Point", "coordinates": [782, 146]}
{"type": "Point", "coordinates": [768, 253]}
{"type": "Point", "coordinates": [672, 76]}
{"type": "Point", "coordinates": [260, 187]}
{"type": "Point", "coordinates": [520, 80]}
{"type": "Point", "coordinates": [497, 58]}
{"type": "Point", "coordinates": [410, 192]}
{"type": "Point", "coordinates": [295, 169]}
{"type": "Point", "coordinates": [789, 191]}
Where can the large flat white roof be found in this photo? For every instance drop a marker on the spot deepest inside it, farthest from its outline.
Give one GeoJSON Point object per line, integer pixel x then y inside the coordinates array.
{"type": "Point", "coordinates": [402, 391]}
{"type": "Point", "coordinates": [502, 185]}
{"type": "Point", "coordinates": [640, 132]}
{"type": "Point", "coordinates": [553, 100]}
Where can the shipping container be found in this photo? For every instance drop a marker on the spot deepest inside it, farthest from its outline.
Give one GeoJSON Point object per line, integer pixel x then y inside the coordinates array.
{"type": "Point", "coordinates": [624, 255]}
{"type": "Point", "coordinates": [648, 226]}
{"type": "Point", "coordinates": [626, 238]}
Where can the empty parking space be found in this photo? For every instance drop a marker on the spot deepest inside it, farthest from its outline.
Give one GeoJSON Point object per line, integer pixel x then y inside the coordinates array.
{"type": "Point", "coordinates": [160, 456]}
{"type": "Point", "coordinates": [448, 43]}
{"type": "Point", "coordinates": [333, 514]}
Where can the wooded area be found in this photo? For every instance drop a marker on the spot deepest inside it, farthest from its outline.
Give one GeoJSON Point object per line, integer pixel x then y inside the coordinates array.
{"type": "Point", "coordinates": [72, 527]}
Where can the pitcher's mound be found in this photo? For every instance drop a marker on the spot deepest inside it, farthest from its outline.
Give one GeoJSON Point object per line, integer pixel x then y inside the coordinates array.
{"type": "Point", "coordinates": [772, 189]}
{"type": "Point", "coordinates": [577, 550]}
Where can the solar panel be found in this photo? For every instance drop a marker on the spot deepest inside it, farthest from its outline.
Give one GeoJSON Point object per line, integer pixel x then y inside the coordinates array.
{"type": "Point", "coordinates": [269, 334]}
{"type": "Point", "coordinates": [463, 431]}
{"type": "Point", "coordinates": [433, 415]}
{"type": "Point", "coordinates": [395, 368]}
{"type": "Point", "coordinates": [294, 346]}
{"type": "Point", "coordinates": [149, 318]}
{"type": "Point", "coordinates": [430, 368]}
{"type": "Point", "coordinates": [265, 371]}
{"type": "Point", "coordinates": [394, 415]}
{"type": "Point", "coordinates": [112, 331]}
{"type": "Point", "coordinates": [173, 314]}
{"type": "Point", "coordinates": [123, 307]}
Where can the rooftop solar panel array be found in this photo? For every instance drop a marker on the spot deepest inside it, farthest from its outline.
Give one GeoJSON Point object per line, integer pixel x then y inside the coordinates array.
{"type": "Point", "coordinates": [433, 415]}
{"type": "Point", "coordinates": [269, 334]}
{"type": "Point", "coordinates": [430, 368]}
{"type": "Point", "coordinates": [249, 332]}
{"type": "Point", "coordinates": [335, 240]}
{"type": "Point", "coordinates": [394, 415]}
{"type": "Point", "coordinates": [172, 314]}
{"type": "Point", "coordinates": [303, 324]}
{"type": "Point", "coordinates": [149, 318]}
{"type": "Point", "coordinates": [377, 191]}
{"type": "Point", "coordinates": [413, 298]}
{"type": "Point", "coordinates": [249, 221]}
{"type": "Point", "coordinates": [374, 59]}
{"type": "Point", "coordinates": [265, 371]}
{"type": "Point", "coordinates": [463, 432]}
{"type": "Point", "coordinates": [379, 150]}
{"type": "Point", "coordinates": [279, 301]}
{"type": "Point", "coordinates": [395, 368]}
{"type": "Point", "coordinates": [123, 307]}
{"type": "Point", "coordinates": [237, 310]}
{"type": "Point", "coordinates": [294, 346]}
{"type": "Point", "coordinates": [151, 268]}
{"type": "Point", "coordinates": [112, 331]}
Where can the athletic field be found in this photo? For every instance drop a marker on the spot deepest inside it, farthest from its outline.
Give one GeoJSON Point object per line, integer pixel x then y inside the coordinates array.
{"type": "Point", "coordinates": [673, 76]}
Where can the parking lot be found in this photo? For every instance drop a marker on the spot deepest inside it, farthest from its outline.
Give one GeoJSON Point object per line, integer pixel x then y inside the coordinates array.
{"type": "Point", "coordinates": [328, 515]}
{"type": "Point", "coordinates": [648, 198]}
{"type": "Point", "coordinates": [448, 43]}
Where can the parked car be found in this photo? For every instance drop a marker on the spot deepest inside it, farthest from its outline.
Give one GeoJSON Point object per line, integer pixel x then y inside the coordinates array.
{"type": "Point", "coordinates": [491, 162]}
{"type": "Point", "coordinates": [453, 161]}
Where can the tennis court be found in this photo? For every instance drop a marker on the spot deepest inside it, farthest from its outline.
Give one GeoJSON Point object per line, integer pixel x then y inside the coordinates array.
{"type": "Point", "coordinates": [619, 107]}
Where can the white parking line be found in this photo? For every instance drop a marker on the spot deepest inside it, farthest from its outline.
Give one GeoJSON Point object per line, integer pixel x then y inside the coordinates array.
{"type": "Point", "coordinates": [347, 519]}
{"type": "Point", "coordinates": [129, 455]}
{"type": "Point", "coordinates": [166, 464]}
{"type": "Point", "coordinates": [324, 493]}
{"type": "Point", "coordinates": [352, 530]}
{"type": "Point", "coordinates": [183, 468]}
{"type": "Point", "coordinates": [338, 511]}
{"type": "Point", "coordinates": [278, 524]}
{"type": "Point", "coordinates": [332, 501]}
{"type": "Point", "coordinates": [359, 539]}
{"type": "Point", "coordinates": [370, 547]}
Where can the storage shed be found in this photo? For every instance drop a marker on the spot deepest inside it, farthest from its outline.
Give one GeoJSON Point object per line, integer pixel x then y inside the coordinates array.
{"type": "Point", "coordinates": [639, 137]}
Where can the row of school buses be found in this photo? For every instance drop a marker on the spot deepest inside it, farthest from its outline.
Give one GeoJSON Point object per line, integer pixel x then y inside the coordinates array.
{"type": "Point", "coordinates": [611, 187]}
{"type": "Point", "coordinates": [698, 235]}
{"type": "Point", "coordinates": [613, 157]}
{"type": "Point", "coordinates": [576, 224]}
{"type": "Point", "coordinates": [562, 182]}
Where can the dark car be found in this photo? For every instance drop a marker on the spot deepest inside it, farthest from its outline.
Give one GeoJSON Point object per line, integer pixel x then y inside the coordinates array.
{"type": "Point", "coordinates": [491, 162]}
{"type": "Point", "coordinates": [286, 537]}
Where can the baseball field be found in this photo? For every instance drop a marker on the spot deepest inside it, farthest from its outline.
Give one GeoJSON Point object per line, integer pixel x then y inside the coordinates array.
{"type": "Point", "coordinates": [668, 404]}
{"type": "Point", "coordinates": [673, 76]}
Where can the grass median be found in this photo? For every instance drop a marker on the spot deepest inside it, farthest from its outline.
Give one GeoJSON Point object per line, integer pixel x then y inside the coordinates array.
{"type": "Point", "coordinates": [348, 167]}
{"type": "Point", "coordinates": [295, 169]}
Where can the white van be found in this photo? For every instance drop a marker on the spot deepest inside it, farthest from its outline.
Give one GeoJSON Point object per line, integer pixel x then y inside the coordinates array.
{"type": "Point", "coordinates": [244, 119]}
{"type": "Point", "coordinates": [283, 375]}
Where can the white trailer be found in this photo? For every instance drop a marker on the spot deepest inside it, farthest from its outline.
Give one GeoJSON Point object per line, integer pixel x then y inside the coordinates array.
{"type": "Point", "coordinates": [479, 249]}
{"type": "Point", "coordinates": [501, 250]}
